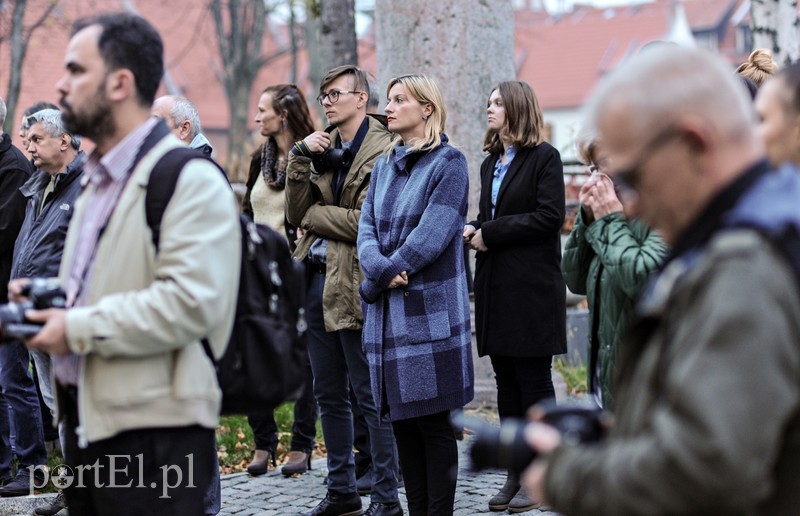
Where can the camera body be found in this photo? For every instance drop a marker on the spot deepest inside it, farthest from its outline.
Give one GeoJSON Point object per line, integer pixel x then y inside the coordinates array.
{"type": "Point", "coordinates": [504, 447]}
{"type": "Point", "coordinates": [333, 159]}
{"type": "Point", "coordinates": [41, 294]}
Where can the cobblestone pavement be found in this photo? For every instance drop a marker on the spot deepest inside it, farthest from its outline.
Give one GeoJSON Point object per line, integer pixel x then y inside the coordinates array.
{"type": "Point", "coordinates": [274, 494]}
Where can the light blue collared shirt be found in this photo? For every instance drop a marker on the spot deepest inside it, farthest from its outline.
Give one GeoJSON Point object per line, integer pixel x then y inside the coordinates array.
{"type": "Point", "coordinates": [500, 170]}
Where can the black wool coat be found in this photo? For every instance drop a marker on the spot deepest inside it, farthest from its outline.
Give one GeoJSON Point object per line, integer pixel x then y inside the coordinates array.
{"type": "Point", "coordinates": [520, 296]}
{"type": "Point", "coordinates": [15, 169]}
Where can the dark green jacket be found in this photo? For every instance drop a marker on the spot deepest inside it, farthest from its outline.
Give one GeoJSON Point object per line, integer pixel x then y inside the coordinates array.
{"type": "Point", "coordinates": [708, 396]}
{"type": "Point", "coordinates": [608, 261]}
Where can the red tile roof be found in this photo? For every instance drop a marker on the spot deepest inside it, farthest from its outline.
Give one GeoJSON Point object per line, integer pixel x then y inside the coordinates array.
{"type": "Point", "coordinates": [562, 57]}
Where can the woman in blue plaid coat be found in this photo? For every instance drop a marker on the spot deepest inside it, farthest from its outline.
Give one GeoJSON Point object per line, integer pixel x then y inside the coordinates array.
{"type": "Point", "coordinates": [417, 319]}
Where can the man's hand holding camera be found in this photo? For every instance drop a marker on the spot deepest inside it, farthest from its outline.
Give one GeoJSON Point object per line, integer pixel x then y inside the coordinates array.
{"type": "Point", "coordinates": [544, 439]}
{"type": "Point", "coordinates": [52, 337]}
{"type": "Point", "coordinates": [312, 145]}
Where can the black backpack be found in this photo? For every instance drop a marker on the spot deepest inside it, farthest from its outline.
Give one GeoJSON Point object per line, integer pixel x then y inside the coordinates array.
{"type": "Point", "coordinates": [264, 361]}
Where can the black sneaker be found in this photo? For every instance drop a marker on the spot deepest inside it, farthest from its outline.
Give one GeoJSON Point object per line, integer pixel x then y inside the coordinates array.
{"type": "Point", "coordinates": [58, 503]}
{"type": "Point", "coordinates": [337, 504]}
{"type": "Point", "coordinates": [20, 486]}
{"type": "Point", "coordinates": [384, 509]}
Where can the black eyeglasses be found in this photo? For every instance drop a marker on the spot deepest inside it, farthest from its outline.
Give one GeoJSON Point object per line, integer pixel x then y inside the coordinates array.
{"type": "Point", "coordinates": [626, 179]}
{"type": "Point", "coordinates": [333, 95]}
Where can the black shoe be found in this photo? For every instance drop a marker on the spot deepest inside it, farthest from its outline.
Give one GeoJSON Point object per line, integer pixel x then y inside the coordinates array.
{"type": "Point", "coordinates": [364, 483]}
{"type": "Point", "coordinates": [60, 502]}
{"type": "Point", "coordinates": [20, 486]}
{"type": "Point", "coordinates": [384, 509]}
{"type": "Point", "coordinates": [336, 504]}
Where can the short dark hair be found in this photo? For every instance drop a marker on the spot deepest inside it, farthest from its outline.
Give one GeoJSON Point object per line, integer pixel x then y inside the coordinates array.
{"type": "Point", "coordinates": [130, 42]}
{"type": "Point", "coordinates": [360, 82]}
{"type": "Point", "coordinates": [35, 108]}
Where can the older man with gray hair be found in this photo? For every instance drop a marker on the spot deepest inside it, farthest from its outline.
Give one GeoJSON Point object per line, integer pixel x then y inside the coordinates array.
{"type": "Point", "coordinates": [182, 118]}
{"type": "Point", "coordinates": [17, 389]}
{"type": "Point", "coordinates": [708, 418]}
{"type": "Point", "coordinates": [50, 192]}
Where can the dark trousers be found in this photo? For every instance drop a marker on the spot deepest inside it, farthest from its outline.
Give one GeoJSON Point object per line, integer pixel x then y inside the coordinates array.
{"type": "Point", "coordinates": [18, 392]}
{"type": "Point", "coordinates": [339, 362]}
{"type": "Point", "coordinates": [134, 472]}
{"type": "Point", "coordinates": [362, 456]}
{"type": "Point", "coordinates": [429, 459]}
{"type": "Point", "coordinates": [521, 383]}
{"type": "Point", "coordinates": [304, 427]}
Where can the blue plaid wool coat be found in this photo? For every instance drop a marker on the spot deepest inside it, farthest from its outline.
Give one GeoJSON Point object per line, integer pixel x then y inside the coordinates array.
{"type": "Point", "coordinates": [416, 337]}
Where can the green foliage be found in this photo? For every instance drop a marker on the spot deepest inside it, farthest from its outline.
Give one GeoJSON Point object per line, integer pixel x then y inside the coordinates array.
{"type": "Point", "coordinates": [574, 375]}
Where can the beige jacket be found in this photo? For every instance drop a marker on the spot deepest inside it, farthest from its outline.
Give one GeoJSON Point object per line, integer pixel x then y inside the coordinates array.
{"type": "Point", "coordinates": [139, 337]}
{"type": "Point", "coordinates": [309, 205]}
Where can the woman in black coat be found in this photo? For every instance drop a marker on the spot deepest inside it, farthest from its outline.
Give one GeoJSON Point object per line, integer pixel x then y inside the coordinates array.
{"type": "Point", "coordinates": [520, 313]}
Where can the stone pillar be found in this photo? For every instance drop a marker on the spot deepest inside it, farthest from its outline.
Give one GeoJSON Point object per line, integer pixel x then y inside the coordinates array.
{"type": "Point", "coordinates": [467, 45]}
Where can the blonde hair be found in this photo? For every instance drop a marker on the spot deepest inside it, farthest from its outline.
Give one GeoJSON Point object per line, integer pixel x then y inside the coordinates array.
{"type": "Point", "coordinates": [759, 66]}
{"type": "Point", "coordinates": [424, 90]}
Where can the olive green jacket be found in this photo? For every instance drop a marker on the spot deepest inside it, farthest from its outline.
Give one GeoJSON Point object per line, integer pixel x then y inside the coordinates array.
{"type": "Point", "coordinates": [310, 205]}
{"type": "Point", "coordinates": [708, 404]}
{"type": "Point", "coordinates": [609, 261]}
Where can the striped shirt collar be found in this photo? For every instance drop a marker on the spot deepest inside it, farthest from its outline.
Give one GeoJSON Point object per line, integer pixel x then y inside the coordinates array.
{"type": "Point", "coordinates": [117, 161]}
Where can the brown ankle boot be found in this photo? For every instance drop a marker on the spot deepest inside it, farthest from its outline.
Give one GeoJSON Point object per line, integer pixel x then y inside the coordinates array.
{"type": "Point", "coordinates": [500, 501]}
{"type": "Point", "coordinates": [522, 502]}
{"type": "Point", "coordinates": [261, 461]}
{"type": "Point", "coordinates": [298, 463]}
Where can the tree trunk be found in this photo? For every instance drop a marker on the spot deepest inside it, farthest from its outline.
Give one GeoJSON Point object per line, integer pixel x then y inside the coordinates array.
{"type": "Point", "coordinates": [293, 40]}
{"type": "Point", "coordinates": [18, 50]}
{"type": "Point", "coordinates": [774, 24]}
{"type": "Point", "coordinates": [467, 45]}
{"type": "Point", "coordinates": [337, 32]}
{"type": "Point", "coordinates": [19, 38]}
{"type": "Point", "coordinates": [312, 39]}
{"type": "Point", "coordinates": [240, 33]}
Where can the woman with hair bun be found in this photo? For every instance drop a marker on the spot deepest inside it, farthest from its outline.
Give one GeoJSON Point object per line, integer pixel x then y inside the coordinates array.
{"type": "Point", "coordinates": [417, 319]}
{"type": "Point", "coordinates": [759, 66]}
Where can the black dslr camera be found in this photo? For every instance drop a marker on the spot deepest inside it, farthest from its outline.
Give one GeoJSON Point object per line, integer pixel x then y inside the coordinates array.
{"type": "Point", "coordinates": [504, 447]}
{"type": "Point", "coordinates": [333, 159]}
{"type": "Point", "coordinates": [41, 294]}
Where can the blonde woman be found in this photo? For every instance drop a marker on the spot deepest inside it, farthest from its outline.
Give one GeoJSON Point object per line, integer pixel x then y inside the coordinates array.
{"type": "Point", "coordinates": [759, 66]}
{"type": "Point", "coordinates": [416, 323]}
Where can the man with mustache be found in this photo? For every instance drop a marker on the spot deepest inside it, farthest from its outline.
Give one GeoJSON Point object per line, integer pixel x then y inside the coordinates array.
{"type": "Point", "coordinates": [136, 390]}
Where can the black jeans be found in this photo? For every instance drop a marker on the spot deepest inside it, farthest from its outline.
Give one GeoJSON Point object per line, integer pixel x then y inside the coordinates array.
{"type": "Point", "coordinates": [304, 427]}
{"type": "Point", "coordinates": [428, 456]}
{"type": "Point", "coordinates": [521, 383]}
{"type": "Point", "coordinates": [134, 472]}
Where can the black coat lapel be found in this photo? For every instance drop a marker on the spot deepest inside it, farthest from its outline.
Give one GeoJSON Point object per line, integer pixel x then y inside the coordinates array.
{"type": "Point", "coordinates": [513, 170]}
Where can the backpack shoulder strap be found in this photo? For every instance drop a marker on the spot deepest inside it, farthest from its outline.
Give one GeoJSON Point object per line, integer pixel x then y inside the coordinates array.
{"type": "Point", "coordinates": [162, 182]}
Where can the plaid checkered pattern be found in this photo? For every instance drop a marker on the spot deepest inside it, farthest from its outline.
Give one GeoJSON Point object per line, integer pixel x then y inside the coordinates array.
{"type": "Point", "coordinates": [417, 337]}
